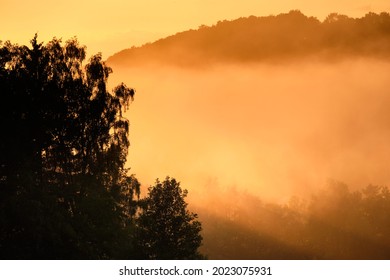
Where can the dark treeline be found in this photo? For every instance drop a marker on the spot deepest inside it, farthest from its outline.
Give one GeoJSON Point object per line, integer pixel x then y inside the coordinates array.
{"type": "Point", "coordinates": [64, 190]}
{"type": "Point", "coordinates": [272, 38]}
{"type": "Point", "coordinates": [335, 223]}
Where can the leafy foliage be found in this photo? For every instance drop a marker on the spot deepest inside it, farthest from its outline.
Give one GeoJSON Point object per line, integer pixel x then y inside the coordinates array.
{"type": "Point", "coordinates": [166, 229]}
{"type": "Point", "coordinates": [65, 192]}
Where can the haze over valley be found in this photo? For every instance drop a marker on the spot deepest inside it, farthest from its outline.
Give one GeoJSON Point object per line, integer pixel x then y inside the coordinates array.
{"type": "Point", "coordinates": [270, 119]}
{"type": "Point", "coordinates": [275, 129]}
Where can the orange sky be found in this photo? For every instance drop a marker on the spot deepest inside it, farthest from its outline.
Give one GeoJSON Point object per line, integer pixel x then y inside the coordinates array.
{"type": "Point", "coordinates": [110, 26]}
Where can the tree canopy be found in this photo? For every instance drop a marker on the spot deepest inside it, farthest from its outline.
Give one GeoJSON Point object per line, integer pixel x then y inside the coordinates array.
{"type": "Point", "coordinates": [166, 228]}
{"type": "Point", "coordinates": [64, 189]}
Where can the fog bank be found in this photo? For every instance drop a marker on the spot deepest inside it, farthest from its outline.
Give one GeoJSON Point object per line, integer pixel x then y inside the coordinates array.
{"type": "Point", "coordinates": [271, 130]}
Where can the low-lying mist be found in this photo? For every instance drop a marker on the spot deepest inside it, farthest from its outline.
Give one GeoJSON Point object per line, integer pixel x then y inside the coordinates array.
{"type": "Point", "coordinates": [271, 130]}
{"type": "Point", "coordinates": [253, 143]}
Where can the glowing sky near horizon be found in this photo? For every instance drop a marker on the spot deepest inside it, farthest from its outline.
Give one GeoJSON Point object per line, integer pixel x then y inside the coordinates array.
{"type": "Point", "coordinates": [110, 26]}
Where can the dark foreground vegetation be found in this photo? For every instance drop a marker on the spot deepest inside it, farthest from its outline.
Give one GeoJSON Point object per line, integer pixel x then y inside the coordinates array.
{"type": "Point", "coordinates": [64, 190]}
{"type": "Point", "coordinates": [280, 38]}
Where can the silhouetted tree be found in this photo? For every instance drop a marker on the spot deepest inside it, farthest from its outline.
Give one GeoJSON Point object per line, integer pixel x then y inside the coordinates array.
{"type": "Point", "coordinates": [64, 190]}
{"type": "Point", "coordinates": [166, 229]}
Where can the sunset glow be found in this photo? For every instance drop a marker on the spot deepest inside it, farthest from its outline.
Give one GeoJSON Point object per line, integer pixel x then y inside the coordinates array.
{"type": "Point", "coordinates": [110, 26]}
{"type": "Point", "coordinates": [274, 115]}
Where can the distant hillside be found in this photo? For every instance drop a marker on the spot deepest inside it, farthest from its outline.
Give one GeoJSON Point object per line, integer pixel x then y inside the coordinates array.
{"type": "Point", "coordinates": [273, 38]}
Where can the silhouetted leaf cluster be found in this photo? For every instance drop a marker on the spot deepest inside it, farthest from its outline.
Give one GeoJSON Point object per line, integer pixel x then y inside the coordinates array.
{"type": "Point", "coordinates": [64, 190]}
{"type": "Point", "coordinates": [278, 38]}
{"type": "Point", "coordinates": [166, 229]}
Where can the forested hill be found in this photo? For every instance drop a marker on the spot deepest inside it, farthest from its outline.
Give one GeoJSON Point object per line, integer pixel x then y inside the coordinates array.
{"type": "Point", "coordinates": [272, 38]}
